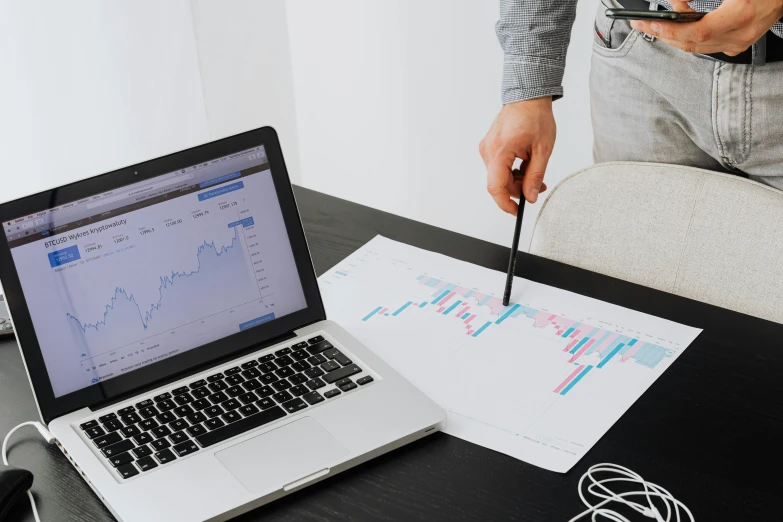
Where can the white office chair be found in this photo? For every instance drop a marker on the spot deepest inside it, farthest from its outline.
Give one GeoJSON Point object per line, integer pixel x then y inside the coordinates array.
{"type": "Point", "coordinates": [712, 237]}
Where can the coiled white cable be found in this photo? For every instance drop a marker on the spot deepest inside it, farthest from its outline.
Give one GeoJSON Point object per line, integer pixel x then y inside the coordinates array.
{"type": "Point", "coordinates": [46, 434]}
{"type": "Point", "coordinates": [615, 474]}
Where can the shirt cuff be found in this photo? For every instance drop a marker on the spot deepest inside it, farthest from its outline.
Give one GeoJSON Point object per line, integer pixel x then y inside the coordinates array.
{"type": "Point", "coordinates": [525, 79]}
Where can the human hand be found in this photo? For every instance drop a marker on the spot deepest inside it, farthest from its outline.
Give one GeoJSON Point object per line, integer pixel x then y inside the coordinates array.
{"type": "Point", "coordinates": [730, 29]}
{"type": "Point", "coordinates": [524, 130]}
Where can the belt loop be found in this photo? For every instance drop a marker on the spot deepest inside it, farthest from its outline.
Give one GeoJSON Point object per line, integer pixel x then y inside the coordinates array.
{"type": "Point", "coordinates": [653, 7]}
{"type": "Point", "coordinates": [759, 51]}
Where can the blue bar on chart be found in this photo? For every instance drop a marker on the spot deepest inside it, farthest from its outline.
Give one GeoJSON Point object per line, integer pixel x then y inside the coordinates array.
{"type": "Point", "coordinates": [483, 327]}
{"type": "Point", "coordinates": [452, 307]}
{"type": "Point", "coordinates": [465, 315]}
{"type": "Point", "coordinates": [441, 296]}
{"type": "Point", "coordinates": [372, 313]}
{"type": "Point", "coordinates": [576, 380]}
{"type": "Point", "coordinates": [507, 314]}
{"type": "Point", "coordinates": [568, 332]}
{"type": "Point", "coordinates": [403, 307]}
{"type": "Point", "coordinates": [422, 305]}
{"type": "Point", "coordinates": [579, 345]}
{"type": "Point", "coordinates": [611, 354]}
{"type": "Point", "coordinates": [341, 273]}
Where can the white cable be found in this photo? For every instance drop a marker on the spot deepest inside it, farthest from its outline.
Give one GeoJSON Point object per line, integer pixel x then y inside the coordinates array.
{"type": "Point", "coordinates": [46, 434]}
{"type": "Point", "coordinates": [598, 488]}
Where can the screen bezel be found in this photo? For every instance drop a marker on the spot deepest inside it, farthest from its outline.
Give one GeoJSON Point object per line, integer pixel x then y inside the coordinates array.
{"type": "Point", "coordinates": [52, 407]}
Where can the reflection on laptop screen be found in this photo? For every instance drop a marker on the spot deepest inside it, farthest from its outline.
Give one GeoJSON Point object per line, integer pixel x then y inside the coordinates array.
{"type": "Point", "coordinates": [126, 278]}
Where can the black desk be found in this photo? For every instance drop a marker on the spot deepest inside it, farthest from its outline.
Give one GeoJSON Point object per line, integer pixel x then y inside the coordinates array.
{"type": "Point", "coordinates": [709, 429]}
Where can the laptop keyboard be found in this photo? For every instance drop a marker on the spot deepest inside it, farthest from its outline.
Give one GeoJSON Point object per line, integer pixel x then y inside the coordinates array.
{"type": "Point", "coordinates": [159, 430]}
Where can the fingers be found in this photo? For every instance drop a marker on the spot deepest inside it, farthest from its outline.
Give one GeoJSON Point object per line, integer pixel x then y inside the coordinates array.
{"type": "Point", "coordinates": [498, 181]}
{"type": "Point", "coordinates": [681, 6]}
{"type": "Point", "coordinates": [534, 175]}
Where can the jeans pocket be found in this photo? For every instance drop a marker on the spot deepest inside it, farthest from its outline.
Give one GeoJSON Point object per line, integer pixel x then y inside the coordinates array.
{"type": "Point", "coordinates": [610, 35]}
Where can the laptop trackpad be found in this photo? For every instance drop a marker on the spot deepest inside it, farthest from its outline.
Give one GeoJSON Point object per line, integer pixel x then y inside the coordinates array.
{"type": "Point", "coordinates": [281, 456]}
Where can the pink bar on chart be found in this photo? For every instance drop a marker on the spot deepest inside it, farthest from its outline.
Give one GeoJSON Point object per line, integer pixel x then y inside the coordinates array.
{"type": "Point", "coordinates": [571, 345]}
{"type": "Point", "coordinates": [609, 340]}
{"type": "Point", "coordinates": [569, 378]}
{"type": "Point", "coordinates": [383, 311]}
{"type": "Point", "coordinates": [495, 305]}
{"type": "Point", "coordinates": [461, 290]}
{"type": "Point", "coordinates": [478, 296]}
{"type": "Point", "coordinates": [423, 280]}
{"type": "Point", "coordinates": [459, 314]}
{"type": "Point", "coordinates": [469, 319]}
{"type": "Point", "coordinates": [441, 284]}
{"type": "Point", "coordinates": [469, 332]}
{"type": "Point", "coordinates": [582, 350]}
{"type": "Point", "coordinates": [442, 301]}
{"type": "Point", "coordinates": [632, 350]}
{"type": "Point", "coordinates": [441, 309]}
{"type": "Point", "coordinates": [575, 334]}
{"type": "Point", "coordinates": [415, 304]}
{"type": "Point", "coordinates": [542, 319]}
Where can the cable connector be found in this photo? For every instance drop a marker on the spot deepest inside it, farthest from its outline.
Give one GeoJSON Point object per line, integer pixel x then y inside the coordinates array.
{"type": "Point", "coordinates": [48, 437]}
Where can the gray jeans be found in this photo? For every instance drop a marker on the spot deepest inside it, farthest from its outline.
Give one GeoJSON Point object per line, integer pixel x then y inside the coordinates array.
{"type": "Point", "coordinates": [651, 102]}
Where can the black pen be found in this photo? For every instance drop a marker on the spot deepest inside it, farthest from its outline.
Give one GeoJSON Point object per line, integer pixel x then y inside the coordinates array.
{"type": "Point", "coordinates": [512, 259]}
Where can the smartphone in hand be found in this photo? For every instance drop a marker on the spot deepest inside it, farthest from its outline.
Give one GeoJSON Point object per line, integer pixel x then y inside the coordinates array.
{"type": "Point", "coordinates": [663, 16]}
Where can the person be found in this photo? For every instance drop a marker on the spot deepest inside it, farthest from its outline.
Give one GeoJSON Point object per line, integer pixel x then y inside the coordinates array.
{"type": "Point", "coordinates": [655, 94]}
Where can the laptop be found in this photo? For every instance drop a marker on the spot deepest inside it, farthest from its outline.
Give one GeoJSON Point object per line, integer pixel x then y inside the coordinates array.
{"type": "Point", "coordinates": [176, 342]}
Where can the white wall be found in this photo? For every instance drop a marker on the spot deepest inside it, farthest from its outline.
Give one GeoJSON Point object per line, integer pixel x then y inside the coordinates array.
{"type": "Point", "coordinates": [393, 98]}
{"type": "Point", "coordinates": [89, 86]}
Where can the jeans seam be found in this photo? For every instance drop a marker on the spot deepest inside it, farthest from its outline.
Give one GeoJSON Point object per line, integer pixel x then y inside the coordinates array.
{"type": "Point", "coordinates": [716, 113]}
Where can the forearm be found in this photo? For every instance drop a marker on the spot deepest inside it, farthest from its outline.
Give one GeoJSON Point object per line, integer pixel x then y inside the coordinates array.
{"type": "Point", "coordinates": [534, 35]}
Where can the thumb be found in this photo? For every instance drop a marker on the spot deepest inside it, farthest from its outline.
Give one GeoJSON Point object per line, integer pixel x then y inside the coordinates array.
{"type": "Point", "coordinates": [535, 169]}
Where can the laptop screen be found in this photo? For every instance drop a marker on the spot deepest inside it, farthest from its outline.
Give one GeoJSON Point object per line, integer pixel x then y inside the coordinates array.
{"type": "Point", "coordinates": [123, 279]}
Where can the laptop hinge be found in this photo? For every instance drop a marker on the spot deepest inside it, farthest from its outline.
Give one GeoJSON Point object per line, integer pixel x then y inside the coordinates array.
{"type": "Point", "coordinates": [192, 371]}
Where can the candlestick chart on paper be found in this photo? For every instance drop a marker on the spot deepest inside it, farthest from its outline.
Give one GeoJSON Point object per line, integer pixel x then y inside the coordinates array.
{"type": "Point", "coordinates": [541, 379]}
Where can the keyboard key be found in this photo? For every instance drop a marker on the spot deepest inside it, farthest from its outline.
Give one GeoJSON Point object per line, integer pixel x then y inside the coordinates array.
{"type": "Point", "coordinates": [186, 448]}
{"type": "Point", "coordinates": [131, 418]}
{"type": "Point", "coordinates": [165, 418]}
{"type": "Point", "coordinates": [330, 366]}
{"type": "Point", "coordinates": [314, 372]}
{"type": "Point", "coordinates": [234, 380]}
{"type": "Point", "coordinates": [232, 371]}
{"type": "Point", "coordinates": [213, 411]}
{"type": "Point", "coordinates": [196, 430]}
{"type": "Point", "coordinates": [90, 424]}
{"type": "Point", "coordinates": [126, 410]}
{"type": "Point", "coordinates": [284, 372]}
{"type": "Point", "coordinates": [248, 410]}
{"type": "Point", "coordinates": [332, 393]}
{"type": "Point", "coordinates": [217, 398]}
{"type": "Point", "coordinates": [181, 389]}
{"type": "Point", "coordinates": [118, 447]}
{"type": "Point", "coordinates": [231, 416]}
{"type": "Point", "coordinates": [249, 364]}
{"type": "Point", "coordinates": [342, 359]}
{"type": "Point", "coordinates": [162, 397]}
{"type": "Point", "coordinates": [198, 384]}
{"type": "Point", "coordinates": [294, 405]}
{"type": "Point", "coordinates": [265, 404]}
{"type": "Point", "coordinates": [178, 425]}
{"type": "Point", "coordinates": [343, 382]}
{"type": "Point", "coordinates": [146, 464]}
{"type": "Point", "coordinates": [269, 378]}
{"type": "Point", "coordinates": [300, 366]}
{"type": "Point", "coordinates": [348, 387]}
{"type": "Point", "coordinates": [130, 431]}
{"type": "Point", "coordinates": [267, 367]}
{"type": "Point", "coordinates": [106, 440]}
{"type": "Point", "coordinates": [166, 405]}
{"type": "Point", "coordinates": [284, 351]}
{"type": "Point", "coordinates": [160, 444]}
{"type": "Point", "coordinates": [216, 377]}
{"type": "Point", "coordinates": [165, 456]}
{"type": "Point", "coordinates": [142, 451]}
{"type": "Point", "coordinates": [315, 384]}
{"type": "Point", "coordinates": [266, 358]}
{"type": "Point", "coordinates": [200, 393]}
{"type": "Point", "coordinates": [161, 431]}
{"type": "Point", "coordinates": [313, 398]}
{"type": "Point", "coordinates": [364, 380]}
{"type": "Point", "coordinates": [113, 425]}
{"type": "Point", "coordinates": [142, 438]}
{"type": "Point", "coordinates": [251, 384]}
{"type": "Point", "coordinates": [128, 470]}
{"type": "Point", "coordinates": [183, 411]}
{"type": "Point", "coordinates": [319, 347]}
{"type": "Point", "coordinates": [330, 353]}
{"type": "Point", "coordinates": [196, 418]}
{"type": "Point", "coordinates": [252, 373]}
{"type": "Point", "coordinates": [214, 424]}
{"type": "Point", "coordinates": [239, 427]}
{"type": "Point", "coordinates": [122, 458]}
{"type": "Point", "coordinates": [299, 346]}
{"type": "Point", "coordinates": [266, 391]}
{"type": "Point", "coordinates": [235, 391]}
{"type": "Point", "coordinates": [148, 424]}
{"type": "Point", "coordinates": [183, 398]}
{"type": "Point", "coordinates": [281, 385]}
{"type": "Point", "coordinates": [109, 416]}
{"type": "Point", "coordinates": [299, 378]}
{"type": "Point", "coordinates": [97, 431]}
{"type": "Point", "coordinates": [149, 411]}
{"type": "Point", "coordinates": [299, 390]}
{"type": "Point", "coordinates": [315, 360]}
{"type": "Point", "coordinates": [231, 404]}
{"type": "Point", "coordinates": [144, 404]}
{"type": "Point", "coordinates": [218, 386]}
{"type": "Point", "coordinates": [283, 361]}
{"type": "Point", "coordinates": [342, 373]}
{"type": "Point", "coordinates": [283, 396]}
{"type": "Point", "coordinates": [300, 355]}
{"type": "Point", "coordinates": [200, 404]}
{"type": "Point", "coordinates": [248, 398]}
{"type": "Point", "coordinates": [178, 437]}
{"type": "Point", "coordinates": [316, 339]}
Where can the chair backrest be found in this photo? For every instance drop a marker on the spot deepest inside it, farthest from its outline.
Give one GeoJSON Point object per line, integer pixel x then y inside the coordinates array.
{"type": "Point", "coordinates": [708, 236]}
